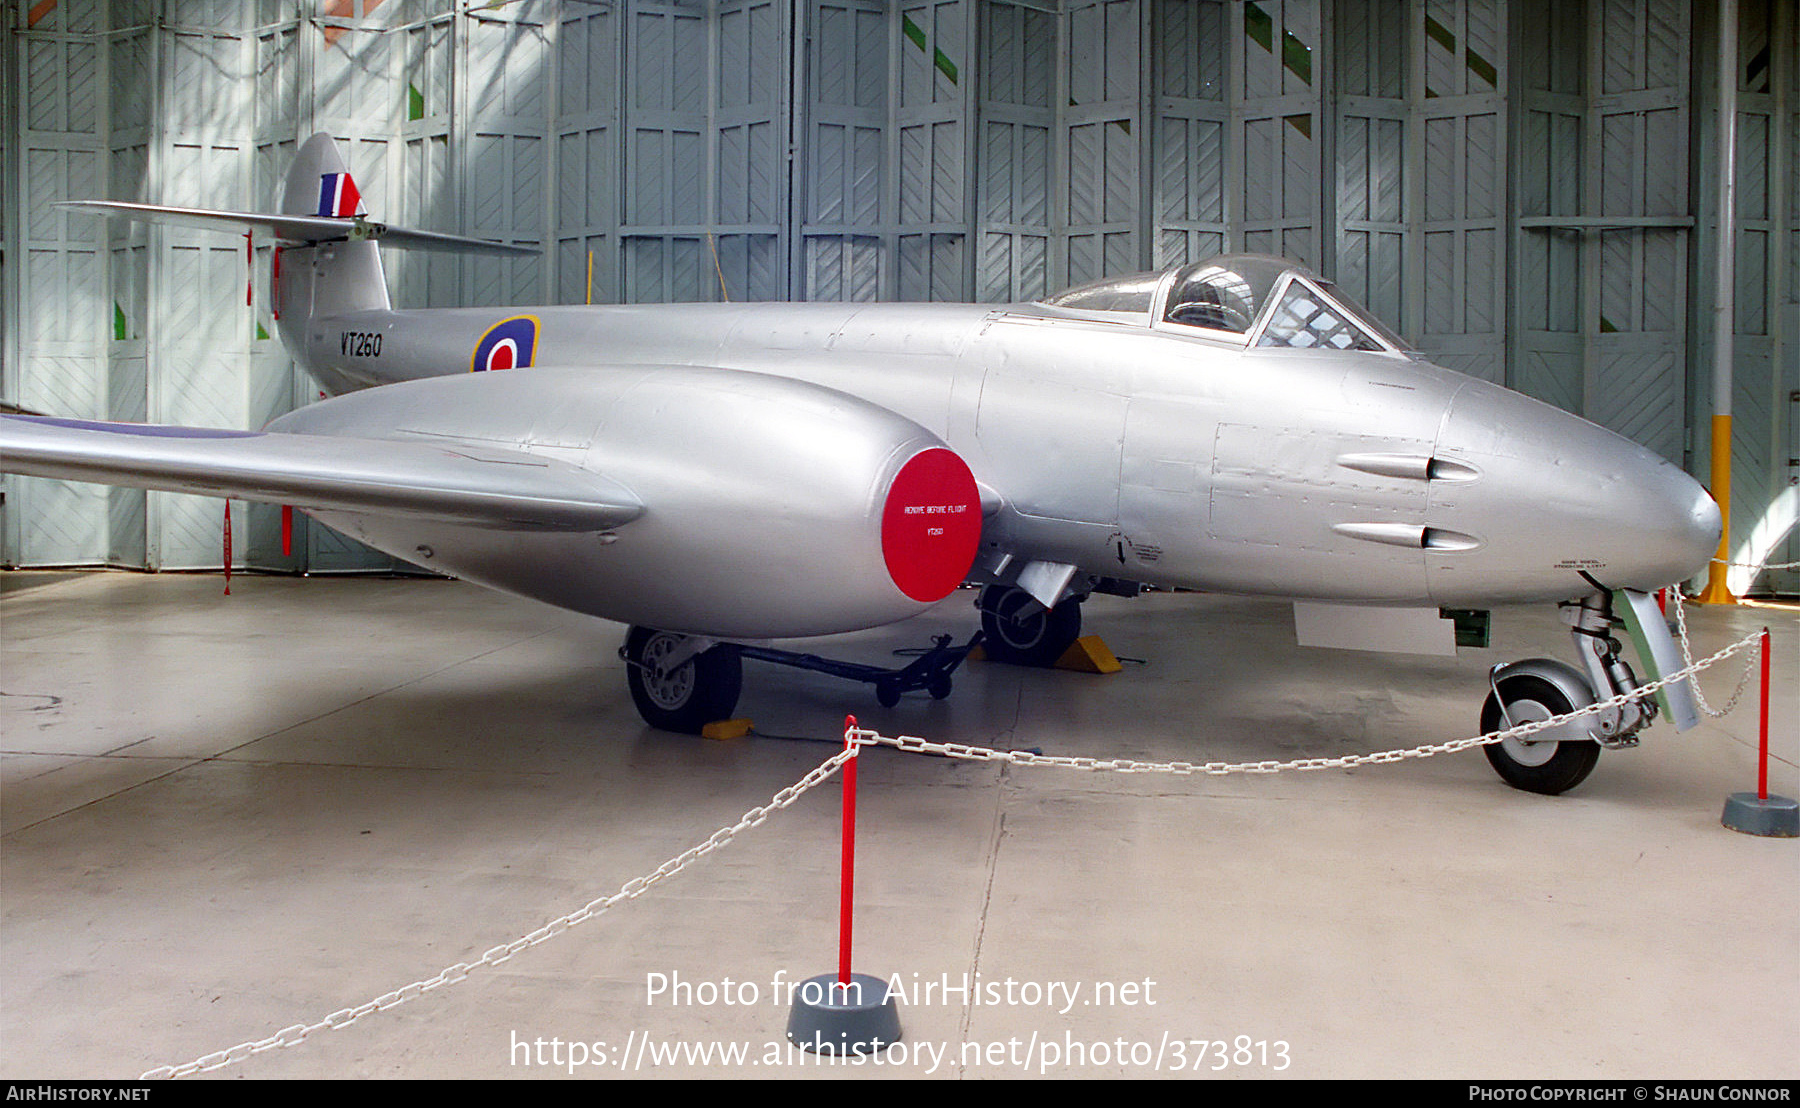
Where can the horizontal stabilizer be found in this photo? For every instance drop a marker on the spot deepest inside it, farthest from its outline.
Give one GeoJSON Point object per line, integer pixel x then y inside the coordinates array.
{"type": "Point", "coordinates": [300, 228]}
{"type": "Point", "coordinates": [483, 485]}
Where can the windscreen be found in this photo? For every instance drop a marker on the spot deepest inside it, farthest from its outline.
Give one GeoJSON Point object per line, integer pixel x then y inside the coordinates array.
{"type": "Point", "coordinates": [1311, 313]}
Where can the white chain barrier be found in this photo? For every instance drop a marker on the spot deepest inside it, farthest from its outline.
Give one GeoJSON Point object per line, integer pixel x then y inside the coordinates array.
{"type": "Point", "coordinates": [860, 737]}
{"type": "Point", "coordinates": [631, 890]}
{"type": "Point", "coordinates": [1757, 566]}
{"type": "Point", "coordinates": [1688, 657]}
{"type": "Point", "coordinates": [1348, 761]}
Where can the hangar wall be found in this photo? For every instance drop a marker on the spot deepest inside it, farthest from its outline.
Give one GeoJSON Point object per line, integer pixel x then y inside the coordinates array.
{"type": "Point", "coordinates": [1519, 186]}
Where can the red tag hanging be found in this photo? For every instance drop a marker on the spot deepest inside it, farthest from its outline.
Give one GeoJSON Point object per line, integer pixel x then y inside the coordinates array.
{"type": "Point", "coordinates": [228, 548]}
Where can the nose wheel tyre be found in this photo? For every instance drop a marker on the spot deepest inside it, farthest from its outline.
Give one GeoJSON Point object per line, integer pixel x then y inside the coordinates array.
{"type": "Point", "coordinates": [1015, 628]}
{"type": "Point", "coordinates": [1549, 767]}
{"type": "Point", "coordinates": [686, 697]}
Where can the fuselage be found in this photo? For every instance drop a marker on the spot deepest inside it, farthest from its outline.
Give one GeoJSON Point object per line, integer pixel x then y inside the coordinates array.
{"type": "Point", "coordinates": [1154, 453]}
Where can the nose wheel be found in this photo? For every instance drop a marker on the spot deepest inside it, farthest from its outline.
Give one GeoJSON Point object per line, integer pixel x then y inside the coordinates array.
{"type": "Point", "coordinates": [1549, 766]}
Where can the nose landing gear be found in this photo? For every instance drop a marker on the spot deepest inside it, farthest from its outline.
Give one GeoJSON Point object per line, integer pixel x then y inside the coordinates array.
{"type": "Point", "coordinates": [1556, 760]}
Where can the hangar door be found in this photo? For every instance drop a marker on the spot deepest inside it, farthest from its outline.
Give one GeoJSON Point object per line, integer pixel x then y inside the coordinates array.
{"type": "Point", "coordinates": [1602, 236]}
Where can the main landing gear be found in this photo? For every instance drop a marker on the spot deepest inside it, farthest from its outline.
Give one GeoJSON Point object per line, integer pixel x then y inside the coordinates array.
{"type": "Point", "coordinates": [679, 682]}
{"type": "Point", "coordinates": [1019, 630]}
{"type": "Point", "coordinates": [1556, 760]}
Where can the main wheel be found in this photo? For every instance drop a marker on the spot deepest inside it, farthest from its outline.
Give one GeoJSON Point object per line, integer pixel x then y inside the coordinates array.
{"type": "Point", "coordinates": [686, 697]}
{"type": "Point", "coordinates": [1015, 628]}
{"type": "Point", "coordinates": [1550, 767]}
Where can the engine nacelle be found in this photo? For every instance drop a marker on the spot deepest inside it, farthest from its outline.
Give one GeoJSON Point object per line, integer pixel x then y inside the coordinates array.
{"type": "Point", "coordinates": [772, 507]}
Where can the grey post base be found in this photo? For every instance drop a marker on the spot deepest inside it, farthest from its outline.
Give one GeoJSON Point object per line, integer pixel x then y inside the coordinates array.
{"type": "Point", "coordinates": [1778, 816]}
{"type": "Point", "coordinates": [829, 1019]}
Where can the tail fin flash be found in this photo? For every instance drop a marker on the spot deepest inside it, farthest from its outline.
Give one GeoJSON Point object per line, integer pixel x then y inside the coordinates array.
{"type": "Point", "coordinates": [320, 184]}
{"type": "Point", "coordinates": [338, 196]}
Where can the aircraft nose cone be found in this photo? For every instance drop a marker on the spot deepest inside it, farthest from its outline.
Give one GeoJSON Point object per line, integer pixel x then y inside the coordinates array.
{"type": "Point", "coordinates": [1559, 497]}
{"type": "Point", "coordinates": [1665, 526]}
{"type": "Point", "coordinates": [1651, 524]}
{"type": "Point", "coordinates": [1693, 523]}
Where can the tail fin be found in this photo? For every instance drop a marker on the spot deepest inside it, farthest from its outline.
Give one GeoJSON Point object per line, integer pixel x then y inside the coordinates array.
{"type": "Point", "coordinates": [319, 183]}
{"type": "Point", "coordinates": [326, 277]}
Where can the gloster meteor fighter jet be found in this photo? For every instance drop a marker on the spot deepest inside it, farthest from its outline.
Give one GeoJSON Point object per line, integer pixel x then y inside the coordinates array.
{"type": "Point", "coordinates": [719, 474]}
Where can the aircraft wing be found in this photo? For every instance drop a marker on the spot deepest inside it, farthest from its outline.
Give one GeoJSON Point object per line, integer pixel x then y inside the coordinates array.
{"type": "Point", "coordinates": [483, 485]}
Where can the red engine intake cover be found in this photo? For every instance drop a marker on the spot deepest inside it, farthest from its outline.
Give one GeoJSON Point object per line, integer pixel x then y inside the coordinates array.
{"type": "Point", "coordinates": [931, 525]}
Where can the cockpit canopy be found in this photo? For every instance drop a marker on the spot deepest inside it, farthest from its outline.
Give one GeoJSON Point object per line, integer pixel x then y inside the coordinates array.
{"type": "Point", "coordinates": [1256, 299]}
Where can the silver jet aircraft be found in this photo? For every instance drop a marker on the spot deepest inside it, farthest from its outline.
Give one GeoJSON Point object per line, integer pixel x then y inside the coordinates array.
{"type": "Point", "coordinates": [719, 474]}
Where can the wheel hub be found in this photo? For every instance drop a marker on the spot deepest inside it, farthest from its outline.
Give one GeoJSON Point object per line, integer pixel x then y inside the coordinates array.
{"type": "Point", "coordinates": [1021, 632]}
{"type": "Point", "coordinates": [667, 688]}
{"type": "Point", "coordinates": [1524, 751]}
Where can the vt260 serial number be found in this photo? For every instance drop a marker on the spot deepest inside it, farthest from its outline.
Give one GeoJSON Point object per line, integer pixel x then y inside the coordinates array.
{"type": "Point", "coordinates": [360, 344]}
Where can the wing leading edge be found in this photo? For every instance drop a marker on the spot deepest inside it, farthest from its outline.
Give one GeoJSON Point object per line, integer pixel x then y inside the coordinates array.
{"type": "Point", "coordinates": [481, 486]}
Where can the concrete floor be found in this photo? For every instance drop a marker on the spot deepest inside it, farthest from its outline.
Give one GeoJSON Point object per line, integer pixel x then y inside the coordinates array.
{"type": "Point", "coordinates": [223, 816]}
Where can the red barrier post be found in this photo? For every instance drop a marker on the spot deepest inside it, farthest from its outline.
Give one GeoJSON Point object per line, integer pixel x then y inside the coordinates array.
{"type": "Point", "coordinates": [845, 1013]}
{"type": "Point", "coordinates": [1759, 813]}
{"type": "Point", "coordinates": [1762, 764]}
{"type": "Point", "coordinates": [848, 873]}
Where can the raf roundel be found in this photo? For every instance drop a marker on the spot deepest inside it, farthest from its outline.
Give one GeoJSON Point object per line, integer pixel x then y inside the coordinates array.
{"type": "Point", "coordinates": [931, 524]}
{"type": "Point", "coordinates": [508, 344]}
